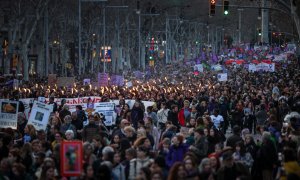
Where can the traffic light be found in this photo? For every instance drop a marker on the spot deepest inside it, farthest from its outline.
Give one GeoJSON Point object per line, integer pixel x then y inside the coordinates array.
{"type": "Point", "coordinates": [226, 7]}
{"type": "Point", "coordinates": [212, 7]}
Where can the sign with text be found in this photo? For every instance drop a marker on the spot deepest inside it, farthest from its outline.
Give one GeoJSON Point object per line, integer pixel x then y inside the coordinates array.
{"type": "Point", "coordinates": [108, 110]}
{"type": "Point", "coordinates": [9, 114]}
{"type": "Point", "coordinates": [39, 116]}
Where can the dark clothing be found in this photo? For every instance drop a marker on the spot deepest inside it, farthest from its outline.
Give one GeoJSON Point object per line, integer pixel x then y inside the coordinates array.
{"type": "Point", "coordinates": [173, 117]}
{"type": "Point", "coordinates": [237, 170]}
{"type": "Point", "coordinates": [81, 115]}
{"type": "Point", "coordinates": [137, 114]}
{"type": "Point", "coordinates": [54, 106]}
{"type": "Point", "coordinates": [201, 147]}
{"type": "Point", "coordinates": [232, 140]}
{"type": "Point", "coordinates": [89, 132]}
{"type": "Point", "coordinates": [63, 113]}
{"type": "Point", "coordinates": [176, 154]}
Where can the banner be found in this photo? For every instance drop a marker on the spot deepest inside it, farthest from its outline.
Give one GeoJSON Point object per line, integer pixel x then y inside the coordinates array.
{"type": "Point", "coordinates": [265, 67]}
{"type": "Point", "coordinates": [39, 115]}
{"type": "Point", "coordinates": [252, 68]}
{"type": "Point", "coordinates": [65, 81]}
{"type": "Point", "coordinates": [102, 79]}
{"type": "Point", "coordinates": [9, 114]}
{"type": "Point", "coordinates": [222, 77]}
{"type": "Point", "coordinates": [108, 110]}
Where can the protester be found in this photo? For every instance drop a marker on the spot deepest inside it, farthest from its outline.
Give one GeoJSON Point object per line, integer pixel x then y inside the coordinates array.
{"type": "Point", "coordinates": [165, 126]}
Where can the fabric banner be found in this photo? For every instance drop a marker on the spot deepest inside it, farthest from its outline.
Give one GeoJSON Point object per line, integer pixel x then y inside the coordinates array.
{"type": "Point", "coordinates": [102, 79]}
{"type": "Point", "coordinates": [9, 114]}
{"type": "Point", "coordinates": [108, 110]}
{"type": "Point", "coordinates": [222, 77]}
{"type": "Point", "coordinates": [265, 67]}
{"type": "Point", "coordinates": [65, 81]}
{"type": "Point", "coordinates": [39, 116]}
{"type": "Point", "coordinates": [252, 68]}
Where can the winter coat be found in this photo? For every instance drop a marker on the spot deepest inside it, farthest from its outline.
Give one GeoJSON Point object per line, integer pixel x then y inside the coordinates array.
{"type": "Point", "coordinates": [136, 165]}
{"type": "Point", "coordinates": [176, 154]}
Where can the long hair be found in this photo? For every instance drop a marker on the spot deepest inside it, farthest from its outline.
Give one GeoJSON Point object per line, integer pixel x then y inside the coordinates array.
{"type": "Point", "coordinates": [174, 169]}
{"type": "Point", "coordinates": [31, 130]}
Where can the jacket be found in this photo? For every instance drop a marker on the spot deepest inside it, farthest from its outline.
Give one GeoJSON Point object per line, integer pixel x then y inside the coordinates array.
{"type": "Point", "coordinates": [136, 165]}
{"type": "Point", "coordinates": [176, 154]}
{"type": "Point", "coordinates": [182, 119]}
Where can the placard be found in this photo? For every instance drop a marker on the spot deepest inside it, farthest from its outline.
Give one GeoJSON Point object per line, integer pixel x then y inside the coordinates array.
{"type": "Point", "coordinates": [9, 114]}
{"type": "Point", "coordinates": [198, 67]}
{"type": "Point", "coordinates": [86, 81]}
{"type": "Point", "coordinates": [108, 110]}
{"type": "Point", "coordinates": [102, 79]}
{"type": "Point", "coordinates": [65, 81]}
{"type": "Point", "coordinates": [222, 77]}
{"type": "Point", "coordinates": [71, 154]}
{"type": "Point", "coordinates": [39, 115]}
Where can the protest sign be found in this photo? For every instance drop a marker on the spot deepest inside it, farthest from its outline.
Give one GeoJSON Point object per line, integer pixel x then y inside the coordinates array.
{"type": "Point", "coordinates": [102, 79]}
{"type": "Point", "coordinates": [65, 81]}
{"type": "Point", "coordinates": [39, 116]}
{"type": "Point", "coordinates": [198, 67]}
{"type": "Point", "coordinates": [108, 110]}
{"type": "Point", "coordinates": [86, 81]}
{"type": "Point", "coordinates": [71, 153]}
{"type": "Point", "coordinates": [9, 114]}
{"type": "Point", "coordinates": [222, 77]}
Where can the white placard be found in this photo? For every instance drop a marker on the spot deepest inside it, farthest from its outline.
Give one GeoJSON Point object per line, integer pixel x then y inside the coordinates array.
{"type": "Point", "coordinates": [9, 114]}
{"type": "Point", "coordinates": [108, 110]}
{"type": "Point", "coordinates": [39, 115]}
{"type": "Point", "coordinates": [198, 67]}
{"type": "Point", "coordinates": [222, 77]}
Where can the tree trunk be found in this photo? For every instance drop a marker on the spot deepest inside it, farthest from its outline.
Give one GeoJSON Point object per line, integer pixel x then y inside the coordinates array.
{"type": "Point", "coordinates": [25, 62]}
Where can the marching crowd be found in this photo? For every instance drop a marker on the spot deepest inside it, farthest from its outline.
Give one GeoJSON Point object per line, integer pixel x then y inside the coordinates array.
{"type": "Point", "coordinates": [198, 128]}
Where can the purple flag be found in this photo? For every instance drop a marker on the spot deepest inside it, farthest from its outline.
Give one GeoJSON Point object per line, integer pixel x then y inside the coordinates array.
{"type": "Point", "coordinates": [102, 79]}
{"type": "Point", "coordinates": [214, 58]}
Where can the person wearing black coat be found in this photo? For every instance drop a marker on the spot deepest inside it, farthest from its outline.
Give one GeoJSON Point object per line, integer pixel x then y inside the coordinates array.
{"type": "Point", "coordinates": [173, 116]}
{"type": "Point", "coordinates": [137, 114]}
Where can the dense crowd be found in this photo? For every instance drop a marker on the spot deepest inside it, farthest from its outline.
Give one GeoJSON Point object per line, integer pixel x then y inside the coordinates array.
{"type": "Point", "coordinates": [198, 128]}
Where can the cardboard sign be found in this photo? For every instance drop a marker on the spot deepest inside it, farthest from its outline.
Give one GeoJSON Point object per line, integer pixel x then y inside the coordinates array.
{"type": "Point", "coordinates": [40, 115]}
{"type": "Point", "coordinates": [9, 114]}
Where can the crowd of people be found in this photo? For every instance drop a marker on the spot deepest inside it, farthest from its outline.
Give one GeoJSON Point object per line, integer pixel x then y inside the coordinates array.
{"type": "Point", "coordinates": [198, 128]}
